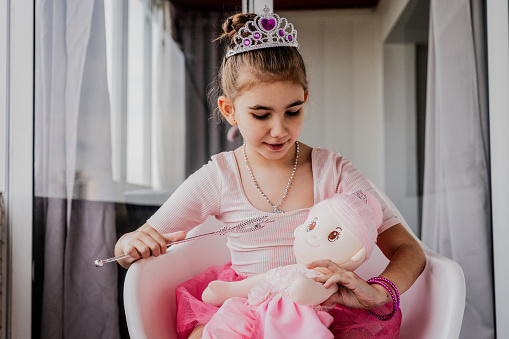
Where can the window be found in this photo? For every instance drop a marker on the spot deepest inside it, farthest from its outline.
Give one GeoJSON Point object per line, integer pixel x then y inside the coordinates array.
{"type": "Point", "coordinates": [142, 66]}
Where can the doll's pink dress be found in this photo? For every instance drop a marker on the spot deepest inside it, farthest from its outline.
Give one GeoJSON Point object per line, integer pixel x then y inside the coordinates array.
{"type": "Point", "coordinates": [346, 322]}
{"type": "Point", "coordinates": [269, 312]}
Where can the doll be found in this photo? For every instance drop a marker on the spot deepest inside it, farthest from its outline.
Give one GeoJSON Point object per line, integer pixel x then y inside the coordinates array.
{"type": "Point", "coordinates": [343, 229]}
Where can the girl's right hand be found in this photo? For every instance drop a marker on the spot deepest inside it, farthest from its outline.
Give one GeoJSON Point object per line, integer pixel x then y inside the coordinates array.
{"type": "Point", "coordinates": [143, 243]}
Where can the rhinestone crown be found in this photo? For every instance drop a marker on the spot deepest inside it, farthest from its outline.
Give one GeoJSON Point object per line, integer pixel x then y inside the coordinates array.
{"type": "Point", "coordinates": [265, 31]}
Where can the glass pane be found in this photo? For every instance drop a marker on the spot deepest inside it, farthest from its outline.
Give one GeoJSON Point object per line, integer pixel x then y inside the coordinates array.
{"type": "Point", "coordinates": [136, 173]}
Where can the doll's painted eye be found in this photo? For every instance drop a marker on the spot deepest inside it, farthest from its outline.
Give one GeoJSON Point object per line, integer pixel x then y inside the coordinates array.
{"type": "Point", "coordinates": [313, 224]}
{"type": "Point", "coordinates": [333, 236]}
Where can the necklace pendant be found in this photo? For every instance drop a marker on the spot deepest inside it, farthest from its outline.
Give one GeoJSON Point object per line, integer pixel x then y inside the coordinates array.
{"type": "Point", "coordinates": [277, 210]}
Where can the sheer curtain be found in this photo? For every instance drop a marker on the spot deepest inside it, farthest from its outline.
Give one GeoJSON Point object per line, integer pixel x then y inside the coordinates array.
{"type": "Point", "coordinates": [80, 206]}
{"type": "Point", "coordinates": [456, 202]}
{"type": "Point", "coordinates": [195, 31]}
{"type": "Point", "coordinates": [74, 218]}
{"type": "Point", "coordinates": [169, 114]}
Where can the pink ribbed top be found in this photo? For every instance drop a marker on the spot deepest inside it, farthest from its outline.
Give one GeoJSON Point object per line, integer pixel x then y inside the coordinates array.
{"type": "Point", "coordinates": [216, 189]}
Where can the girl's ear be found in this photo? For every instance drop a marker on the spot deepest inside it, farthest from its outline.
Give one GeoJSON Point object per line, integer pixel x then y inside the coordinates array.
{"type": "Point", "coordinates": [306, 93]}
{"type": "Point", "coordinates": [227, 110]}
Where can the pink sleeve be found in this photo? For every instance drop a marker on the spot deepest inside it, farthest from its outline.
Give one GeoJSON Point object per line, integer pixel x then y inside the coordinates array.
{"type": "Point", "coordinates": [350, 179]}
{"type": "Point", "coordinates": [196, 198]}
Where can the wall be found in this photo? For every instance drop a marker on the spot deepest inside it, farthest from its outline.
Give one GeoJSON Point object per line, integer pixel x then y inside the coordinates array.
{"type": "Point", "coordinates": [343, 53]}
{"type": "Point", "coordinates": [362, 92]}
{"type": "Point", "coordinates": [400, 131]}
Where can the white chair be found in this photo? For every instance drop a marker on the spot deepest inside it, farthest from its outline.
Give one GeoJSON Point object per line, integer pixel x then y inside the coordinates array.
{"type": "Point", "coordinates": [432, 308]}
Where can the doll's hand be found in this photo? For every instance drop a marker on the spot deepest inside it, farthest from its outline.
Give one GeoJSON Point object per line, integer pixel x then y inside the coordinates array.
{"type": "Point", "coordinates": [353, 291]}
{"type": "Point", "coordinates": [308, 292]}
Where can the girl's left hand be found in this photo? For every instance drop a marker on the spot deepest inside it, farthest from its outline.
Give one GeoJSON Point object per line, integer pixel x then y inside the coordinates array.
{"type": "Point", "coordinates": [353, 291]}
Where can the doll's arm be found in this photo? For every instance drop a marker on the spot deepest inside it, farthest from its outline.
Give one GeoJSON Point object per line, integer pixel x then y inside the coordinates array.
{"type": "Point", "coordinates": [219, 291]}
{"type": "Point", "coordinates": [307, 292]}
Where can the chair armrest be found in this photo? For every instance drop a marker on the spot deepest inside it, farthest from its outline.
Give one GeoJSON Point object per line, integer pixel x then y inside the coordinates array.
{"type": "Point", "coordinates": [149, 296]}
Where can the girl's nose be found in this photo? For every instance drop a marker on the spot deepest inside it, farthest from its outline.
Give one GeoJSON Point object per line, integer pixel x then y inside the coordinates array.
{"type": "Point", "coordinates": [278, 128]}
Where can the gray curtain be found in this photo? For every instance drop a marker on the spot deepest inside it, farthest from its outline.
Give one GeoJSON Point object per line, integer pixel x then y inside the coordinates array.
{"type": "Point", "coordinates": [456, 201]}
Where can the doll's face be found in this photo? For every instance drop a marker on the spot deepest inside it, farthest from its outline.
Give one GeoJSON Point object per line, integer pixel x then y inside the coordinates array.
{"type": "Point", "coordinates": [323, 236]}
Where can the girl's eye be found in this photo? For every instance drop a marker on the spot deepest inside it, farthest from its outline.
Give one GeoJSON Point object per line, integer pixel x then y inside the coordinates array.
{"type": "Point", "coordinates": [293, 114]}
{"type": "Point", "coordinates": [333, 236]}
{"type": "Point", "coordinates": [312, 225]}
{"type": "Point", "coordinates": [260, 117]}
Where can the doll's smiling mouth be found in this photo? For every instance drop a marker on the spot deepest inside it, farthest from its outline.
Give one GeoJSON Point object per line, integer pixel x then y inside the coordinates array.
{"type": "Point", "coordinates": [311, 244]}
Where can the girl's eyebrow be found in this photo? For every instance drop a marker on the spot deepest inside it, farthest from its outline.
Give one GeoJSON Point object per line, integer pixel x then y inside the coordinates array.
{"type": "Point", "coordinates": [265, 108]}
{"type": "Point", "coordinates": [259, 108]}
{"type": "Point", "coordinates": [296, 103]}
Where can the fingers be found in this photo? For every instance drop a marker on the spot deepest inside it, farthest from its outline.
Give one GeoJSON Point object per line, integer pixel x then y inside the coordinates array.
{"type": "Point", "coordinates": [176, 236]}
{"type": "Point", "coordinates": [353, 291]}
{"type": "Point", "coordinates": [332, 300]}
{"type": "Point", "coordinates": [344, 278]}
{"type": "Point", "coordinates": [147, 242]}
{"type": "Point", "coordinates": [326, 263]}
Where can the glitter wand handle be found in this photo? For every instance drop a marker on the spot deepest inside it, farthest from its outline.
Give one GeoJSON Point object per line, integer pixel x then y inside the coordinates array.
{"type": "Point", "coordinates": [246, 226]}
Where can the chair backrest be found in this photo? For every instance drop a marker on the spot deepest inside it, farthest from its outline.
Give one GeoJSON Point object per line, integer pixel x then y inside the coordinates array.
{"type": "Point", "coordinates": [432, 308]}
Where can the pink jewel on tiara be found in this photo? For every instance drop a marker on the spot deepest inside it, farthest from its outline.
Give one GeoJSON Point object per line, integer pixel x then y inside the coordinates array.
{"type": "Point", "coordinates": [264, 31]}
{"type": "Point", "coordinates": [268, 24]}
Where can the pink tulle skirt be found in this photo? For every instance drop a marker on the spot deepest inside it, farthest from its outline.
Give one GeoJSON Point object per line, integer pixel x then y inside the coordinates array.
{"type": "Point", "coordinates": [346, 323]}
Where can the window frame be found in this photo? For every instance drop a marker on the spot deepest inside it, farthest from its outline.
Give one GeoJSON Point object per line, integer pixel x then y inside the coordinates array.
{"type": "Point", "coordinates": [118, 86]}
{"type": "Point", "coordinates": [18, 38]}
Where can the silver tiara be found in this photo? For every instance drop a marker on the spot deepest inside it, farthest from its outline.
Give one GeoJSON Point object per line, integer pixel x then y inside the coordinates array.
{"type": "Point", "coordinates": [265, 31]}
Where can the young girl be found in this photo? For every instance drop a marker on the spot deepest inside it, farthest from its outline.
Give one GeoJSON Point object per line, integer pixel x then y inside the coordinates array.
{"type": "Point", "coordinates": [264, 88]}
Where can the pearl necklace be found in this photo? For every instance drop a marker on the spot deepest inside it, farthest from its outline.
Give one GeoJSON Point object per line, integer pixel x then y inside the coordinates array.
{"type": "Point", "coordinates": [275, 208]}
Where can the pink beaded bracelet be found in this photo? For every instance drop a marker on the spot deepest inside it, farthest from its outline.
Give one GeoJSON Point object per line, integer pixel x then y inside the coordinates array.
{"type": "Point", "coordinates": [395, 298]}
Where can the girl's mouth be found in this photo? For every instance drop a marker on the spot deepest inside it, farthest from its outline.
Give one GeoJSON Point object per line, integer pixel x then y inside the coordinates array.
{"type": "Point", "coordinates": [275, 147]}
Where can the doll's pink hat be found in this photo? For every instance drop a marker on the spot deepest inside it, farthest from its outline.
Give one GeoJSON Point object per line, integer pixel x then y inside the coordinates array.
{"type": "Point", "coordinates": [361, 213]}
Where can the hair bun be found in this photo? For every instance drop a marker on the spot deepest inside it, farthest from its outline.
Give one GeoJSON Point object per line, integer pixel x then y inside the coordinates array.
{"type": "Point", "coordinates": [228, 25]}
{"type": "Point", "coordinates": [234, 23]}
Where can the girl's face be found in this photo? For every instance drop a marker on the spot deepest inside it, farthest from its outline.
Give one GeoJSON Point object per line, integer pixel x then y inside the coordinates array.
{"type": "Point", "coordinates": [269, 115]}
{"type": "Point", "coordinates": [323, 236]}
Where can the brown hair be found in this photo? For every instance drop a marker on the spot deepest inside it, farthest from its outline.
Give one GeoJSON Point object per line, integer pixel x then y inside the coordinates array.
{"type": "Point", "coordinates": [267, 64]}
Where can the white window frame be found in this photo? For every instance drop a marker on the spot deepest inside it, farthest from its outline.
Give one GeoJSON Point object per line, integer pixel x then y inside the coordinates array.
{"type": "Point", "coordinates": [17, 39]}
{"type": "Point", "coordinates": [4, 42]}
{"type": "Point", "coordinates": [119, 96]}
{"type": "Point", "coordinates": [498, 75]}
